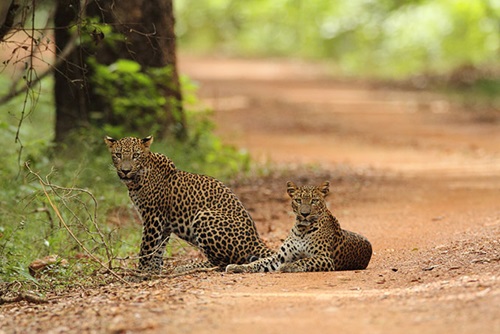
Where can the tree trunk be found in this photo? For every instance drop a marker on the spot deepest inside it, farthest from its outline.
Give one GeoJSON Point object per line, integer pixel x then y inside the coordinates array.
{"type": "Point", "coordinates": [70, 78]}
{"type": "Point", "coordinates": [149, 39]}
{"type": "Point", "coordinates": [8, 10]}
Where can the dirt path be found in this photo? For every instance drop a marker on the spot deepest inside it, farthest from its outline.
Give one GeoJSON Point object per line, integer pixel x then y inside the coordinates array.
{"type": "Point", "coordinates": [415, 174]}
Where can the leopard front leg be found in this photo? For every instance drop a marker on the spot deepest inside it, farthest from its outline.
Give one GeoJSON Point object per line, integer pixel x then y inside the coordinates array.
{"type": "Point", "coordinates": [316, 263]}
{"type": "Point", "coordinates": [154, 239]}
{"type": "Point", "coordinates": [286, 253]}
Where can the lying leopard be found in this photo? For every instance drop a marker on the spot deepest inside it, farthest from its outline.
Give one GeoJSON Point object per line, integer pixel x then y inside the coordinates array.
{"type": "Point", "coordinates": [197, 208]}
{"type": "Point", "coordinates": [316, 241]}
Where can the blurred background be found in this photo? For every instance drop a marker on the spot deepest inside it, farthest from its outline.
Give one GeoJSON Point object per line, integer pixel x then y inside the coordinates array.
{"type": "Point", "coordinates": [363, 38]}
{"type": "Point", "coordinates": [73, 72]}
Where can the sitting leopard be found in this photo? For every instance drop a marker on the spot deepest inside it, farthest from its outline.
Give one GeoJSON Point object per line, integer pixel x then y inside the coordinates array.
{"type": "Point", "coordinates": [197, 208]}
{"type": "Point", "coordinates": [316, 241]}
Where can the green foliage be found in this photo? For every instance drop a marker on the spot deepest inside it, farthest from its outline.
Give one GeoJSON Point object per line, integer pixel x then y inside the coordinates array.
{"type": "Point", "coordinates": [33, 129]}
{"type": "Point", "coordinates": [385, 38]}
{"type": "Point", "coordinates": [93, 32]}
{"type": "Point", "coordinates": [131, 95]}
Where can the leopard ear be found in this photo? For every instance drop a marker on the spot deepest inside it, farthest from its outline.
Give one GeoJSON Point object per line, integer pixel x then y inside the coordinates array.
{"type": "Point", "coordinates": [291, 188]}
{"type": "Point", "coordinates": [109, 141]}
{"type": "Point", "coordinates": [147, 141]}
{"type": "Point", "coordinates": [324, 188]}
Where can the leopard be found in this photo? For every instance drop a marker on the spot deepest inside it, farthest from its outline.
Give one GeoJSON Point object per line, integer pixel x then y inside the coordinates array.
{"type": "Point", "coordinates": [196, 208]}
{"type": "Point", "coordinates": [316, 241]}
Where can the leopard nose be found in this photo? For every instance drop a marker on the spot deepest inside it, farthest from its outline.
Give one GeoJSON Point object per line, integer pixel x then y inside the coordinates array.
{"type": "Point", "coordinates": [125, 170]}
{"type": "Point", "coordinates": [305, 213]}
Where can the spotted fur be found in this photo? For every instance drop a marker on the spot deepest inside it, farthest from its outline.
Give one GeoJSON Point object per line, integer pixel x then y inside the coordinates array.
{"type": "Point", "coordinates": [316, 241]}
{"type": "Point", "coordinates": [196, 208]}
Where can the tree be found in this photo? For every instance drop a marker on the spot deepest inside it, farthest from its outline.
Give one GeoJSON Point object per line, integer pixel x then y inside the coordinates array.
{"type": "Point", "coordinates": [147, 36]}
{"type": "Point", "coordinates": [92, 36]}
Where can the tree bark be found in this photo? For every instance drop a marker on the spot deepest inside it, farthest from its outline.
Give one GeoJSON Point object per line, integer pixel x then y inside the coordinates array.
{"type": "Point", "coordinates": [71, 85]}
{"type": "Point", "coordinates": [8, 10]}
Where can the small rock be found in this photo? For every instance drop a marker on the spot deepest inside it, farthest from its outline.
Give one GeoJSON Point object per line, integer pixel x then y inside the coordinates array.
{"type": "Point", "coordinates": [430, 268]}
{"type": "Point", "coordinates": [39, 265]}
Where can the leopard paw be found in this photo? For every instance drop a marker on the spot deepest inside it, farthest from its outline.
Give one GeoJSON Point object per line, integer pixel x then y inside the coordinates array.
{"type": "Point", "coordinates": [237, 268]}
{"type": "Point", "coordinates": [290, 267]}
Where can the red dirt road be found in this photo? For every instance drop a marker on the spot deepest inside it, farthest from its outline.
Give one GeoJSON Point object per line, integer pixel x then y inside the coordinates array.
{"type": "Point", "coordinates": [411, 171]}
{"type": "Point", "coordinates": [417, 175]}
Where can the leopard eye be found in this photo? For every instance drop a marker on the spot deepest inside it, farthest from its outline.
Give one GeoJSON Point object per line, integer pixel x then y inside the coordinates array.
{"type": "Point", "coordinates": [298, 201]}
{"type": "Point", "coordinates": [314, 202]}
{"type": "Point", "coordinates": [118, 155]}
{"type": "Point", "coordinates": [135, 156]}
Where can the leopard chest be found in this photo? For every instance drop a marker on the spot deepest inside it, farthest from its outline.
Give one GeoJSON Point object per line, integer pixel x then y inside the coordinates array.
{"type": "Point", "coordinates": [302, 243]}
{"type": "Point", "coordinates": [150, 202]}
{"type": "Point", "coordinates": [320, 240]}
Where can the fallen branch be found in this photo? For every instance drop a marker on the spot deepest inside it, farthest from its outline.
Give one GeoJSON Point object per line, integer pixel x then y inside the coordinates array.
{"type": "Point", "coordinates": [30, 297]}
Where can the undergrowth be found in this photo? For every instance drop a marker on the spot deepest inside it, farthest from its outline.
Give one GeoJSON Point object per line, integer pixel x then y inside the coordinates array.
{"type": "Point", "coordinates": [67, 206]}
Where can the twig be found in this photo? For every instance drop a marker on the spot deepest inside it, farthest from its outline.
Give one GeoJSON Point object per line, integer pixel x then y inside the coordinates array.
{"type": "Point", "coordinates": [13, 92]}
{"type": "Point", "coordinates": [109, 251]}
{"type": "Point", "coordinates": [63, 222]}
{"type": "Point", "coordinates": [70, 46]}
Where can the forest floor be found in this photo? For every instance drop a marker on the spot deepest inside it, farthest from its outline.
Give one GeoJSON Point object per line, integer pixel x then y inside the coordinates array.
{"type": "Point", "coordinates": [416, 174]}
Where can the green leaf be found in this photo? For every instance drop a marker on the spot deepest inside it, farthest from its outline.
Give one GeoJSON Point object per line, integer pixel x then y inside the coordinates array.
{"type": "Point", "coordinates": [125, 66]}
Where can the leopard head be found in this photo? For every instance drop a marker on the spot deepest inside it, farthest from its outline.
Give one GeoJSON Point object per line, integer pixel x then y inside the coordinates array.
{"type": "Point", "coordinates": [308, 202]}
{"type": "Point", "coordinates": [129, 155]}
